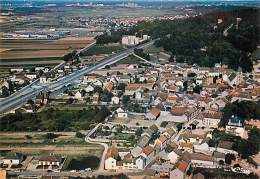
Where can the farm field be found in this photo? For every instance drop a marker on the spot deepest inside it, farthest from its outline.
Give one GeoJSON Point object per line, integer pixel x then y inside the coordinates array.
{"type": "Point", "coordinates": [30, 51]}
{"type": "Point", "coordinates": [35, 143]}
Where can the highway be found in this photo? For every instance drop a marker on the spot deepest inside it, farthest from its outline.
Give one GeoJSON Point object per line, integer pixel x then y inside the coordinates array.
{"type": "Point", "coordinates": [31, 91]}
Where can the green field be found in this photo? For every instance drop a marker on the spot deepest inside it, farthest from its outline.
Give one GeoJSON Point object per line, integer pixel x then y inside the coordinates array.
{"type": "Point", "coordinates": [130, 60]}
{"type": "Point", "coordinates": [97, 50]}
{"type": "Point", "coordinates": [30, 59]}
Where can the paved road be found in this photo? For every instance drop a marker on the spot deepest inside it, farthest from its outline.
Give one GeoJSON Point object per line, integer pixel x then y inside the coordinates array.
{"type": "Point", "coordinates": [13, 102]}
{"type": "Point", "coordinates": [87, 139]}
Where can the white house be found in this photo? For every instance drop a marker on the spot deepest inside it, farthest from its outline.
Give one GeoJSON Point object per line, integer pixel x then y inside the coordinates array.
{"type": "Point", "coordinates": [31, 76]}
{"type": "Point", "coordinates": [49, 161]}
{"type": "Point", "coordinates": [130, 40]}
{"type": "Point", "coordinates": [115, 100]}
{"type": "Point", "coordinates": [140, 162]}
{"type": "Point", "coordinates": [202, 148]}
{"type": "Point", "coordinates": [211, 119]}
{"type": "Point", "coordinates": [78, 95]}
{"type": "Point", "coordinates": [110, 163]}
{"type": "Point", "coordinates": [110, 159]}
{"type": "Point", "coordinates": [173, 156]}
{"type": "Point", "coordinates": [121, 113]}
{"type": "Point", "coordinates": [12, 159]}
{"type": "Point", "coordinates": [235, 127]}
{"type": "Point", "coordinates": [89, 88]}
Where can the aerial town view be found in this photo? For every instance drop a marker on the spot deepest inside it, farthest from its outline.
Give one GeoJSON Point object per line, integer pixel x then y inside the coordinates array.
{"type": "Point", "coordinates": [137, 89]}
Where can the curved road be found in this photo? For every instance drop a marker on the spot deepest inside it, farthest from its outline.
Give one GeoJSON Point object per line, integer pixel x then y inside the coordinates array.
{"type": "Point", "coordinates": [87, 139]}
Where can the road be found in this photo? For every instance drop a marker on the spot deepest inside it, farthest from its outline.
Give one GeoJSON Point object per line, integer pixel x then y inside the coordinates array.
{"type": "Point", "coordinates": [87, 139]}
{"type": "Point", "coordinates": [15, 101]}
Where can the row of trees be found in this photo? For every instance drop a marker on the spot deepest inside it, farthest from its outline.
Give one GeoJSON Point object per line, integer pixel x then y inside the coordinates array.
{"type": "Point", "coordinates": [54, 120]}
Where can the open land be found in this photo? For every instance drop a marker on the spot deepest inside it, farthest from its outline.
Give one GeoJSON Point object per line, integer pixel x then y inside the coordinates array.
{"type": "Point", "coordinates": [27, 51]}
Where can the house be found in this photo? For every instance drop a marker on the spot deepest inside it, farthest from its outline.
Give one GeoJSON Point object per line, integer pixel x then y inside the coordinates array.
{"type": "Point", "coordinates": [140, 162]}
{"type": "Point", "coordinates": [121, 113]}
{"type": "Point", "coordinates": [124, 79]}
{"type": "Point", "coordinates": [136, 151]}
{"type": "Point", "coordinates": [115, 100]}
{"type": "Point", "coordinates": [169, 132]}
{"type": "Point", "coordinates": [218, 156]}
{"type": "Point", "coordinates": [234, 79]}
{"type": "Point", "coordinates": [211, 119]}
{"type": "Point", "coordinates": [111, 158]}
{"type": "Point", "coordinates": [186, 146]}
{"type": "Point", "coordinates": [202, 148]}
{"type": "Point", "coordinates": [109, 86]}
{"type": "Point", "coordinates": [95, 98]}
{"type": "Point", "coordinates": [128, 162]}
{"type": "Point", "coordinates": [254, 123]}
{"type": "Point", "coordinates": [110, 163]}
{"type": "Point", "coordinates": [255, 160]}
{"type": "Point", "coordinates": [235, 126]}
{"type": "Point", "coordinates": [181, 170]}
{"type": "Point", "coordinates": [44, 79]}
{"type": "Point", "coordinates": [31, 76]}
{"type": "Point", "coordinates": [13, 158]}
{"type": "Point", "coordinates": [89, 88]}
{"type": "Point", "coordinates": [148, 154]}
{"type": "Point", "coordinates": [78, 95]}
{"type": "Point", "coordinates": [173, 155]}
{"type": "Point", "coordinates": [153, 114]}
{"type": "Point", "coordinates": [198, 176]}
{"type": "Point", "coordinates": [198, 159]}
{"type": "Point", "coordinates": [184, 112]}
{"type": "Point", "coordinates": [49, 161]}
{"type": "Point", "coordinates": [162, 168]}
{"type": "Point", "coordinates": [160, 143]}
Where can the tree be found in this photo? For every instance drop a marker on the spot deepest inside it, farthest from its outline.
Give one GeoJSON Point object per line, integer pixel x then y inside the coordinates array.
{"type": "Point", "coordinates": [221, 162]}
{"type": "Point", "coordinates": [51, 136]}
{"type": "Point", "coordinates": [79, 135]}
{"type": "Point", "coordinates": [98, 89]}
{"type": "Point", "coordinates": [246, 62]}
{"type": "Point", "coordinates": [125, 99]}
{"type": "Point", "coordinates": [121, 86]}
{"type": "Point", "coordinates": [106, 96]}
{"type": "Point", "coordinates": [229, 157]}
{"type": "Point", "coordinates": [185, 85]}
{"type": "Point", "coordinates": [179, 126]}
{"type": "Point", "coordinates": [197, 89]}
{"type": "Point", "coordinates": [139, 131]}
{"type": "Point", "coordinates": [5, 92]}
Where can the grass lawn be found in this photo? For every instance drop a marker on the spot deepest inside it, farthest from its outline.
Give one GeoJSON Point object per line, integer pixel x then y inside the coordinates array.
{"type": "Point", "coordinates": [98, 49]}
{"type": "Point", "coordinates": [153, 49]}
{"type": "Point", "coordinates": [130, 60]}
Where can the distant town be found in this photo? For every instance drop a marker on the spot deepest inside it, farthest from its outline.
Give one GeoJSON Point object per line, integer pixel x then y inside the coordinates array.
{"type": "Point", "coordinates": [169, 95]}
